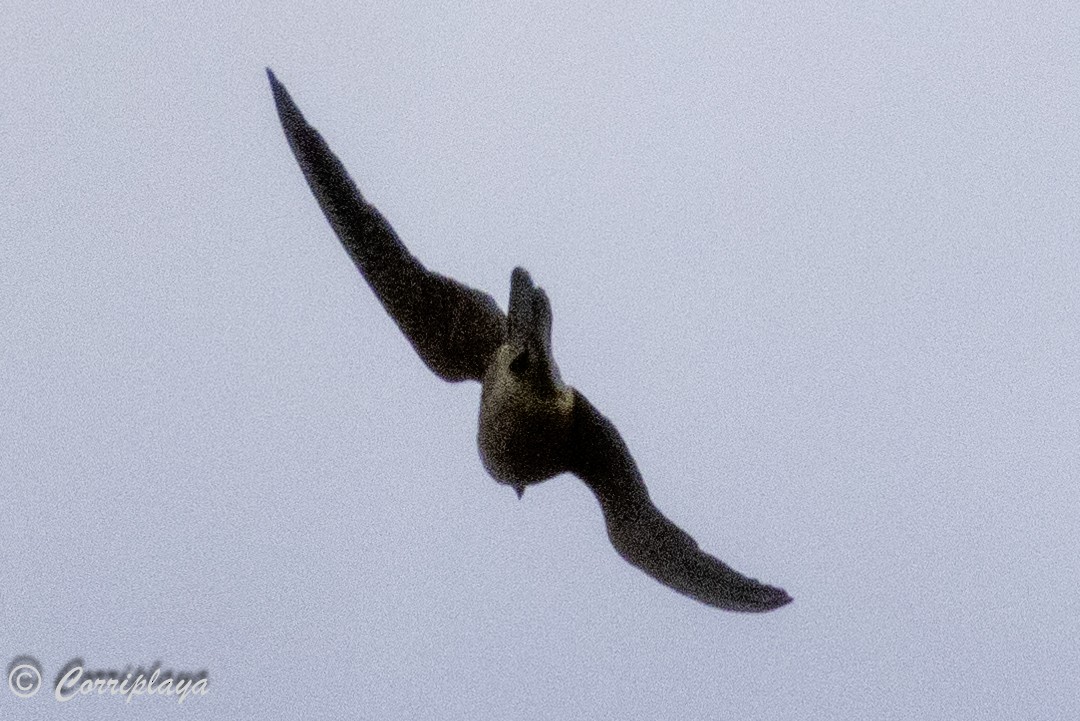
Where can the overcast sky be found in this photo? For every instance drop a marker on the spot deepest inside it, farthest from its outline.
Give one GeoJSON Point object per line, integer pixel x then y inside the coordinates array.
{"type": "Point", "coordinates": [818, 264]}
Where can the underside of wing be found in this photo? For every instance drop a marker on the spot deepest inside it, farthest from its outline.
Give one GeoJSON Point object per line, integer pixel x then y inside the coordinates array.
{"type": "Point", "coordinates": [455, 329]}
{"type": "Point", "coordinates": [642, 534]}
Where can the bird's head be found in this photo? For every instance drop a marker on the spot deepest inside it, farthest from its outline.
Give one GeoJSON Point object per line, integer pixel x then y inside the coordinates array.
{"type": "Point", "coordinates": [531, 362]}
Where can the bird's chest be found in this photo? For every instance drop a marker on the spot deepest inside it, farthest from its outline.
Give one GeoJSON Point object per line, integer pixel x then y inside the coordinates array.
{"type": "Point", "coordinates": [521, 436]}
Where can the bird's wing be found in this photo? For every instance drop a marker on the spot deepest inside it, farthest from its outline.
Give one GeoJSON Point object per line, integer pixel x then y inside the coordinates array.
{"type": "Point", "coordinates": [641, 533]}
{"type": "Point", "coordinates": [454, 328]}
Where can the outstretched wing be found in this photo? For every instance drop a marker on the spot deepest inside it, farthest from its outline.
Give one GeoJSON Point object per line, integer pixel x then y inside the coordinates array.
{"type": "Point", "coordinates": [642, 534]}
{"type": "Point", "coordinates": [454, 328]}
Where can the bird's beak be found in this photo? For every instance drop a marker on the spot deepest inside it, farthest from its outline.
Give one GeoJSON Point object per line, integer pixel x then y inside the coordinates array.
{"type": "Point", "coordinates": [520, 490]}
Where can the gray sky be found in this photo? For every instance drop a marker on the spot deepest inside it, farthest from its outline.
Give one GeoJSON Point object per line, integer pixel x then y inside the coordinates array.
{"type": "Point", "coordinates": [819, 265]}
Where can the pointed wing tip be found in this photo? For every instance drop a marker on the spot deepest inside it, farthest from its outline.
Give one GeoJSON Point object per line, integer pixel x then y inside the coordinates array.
{"type": "Point", "coordinates": [287, 110]}
{"type": "Point", "coordinates": [275, 85]}
{"type": "Point", "coordinates": [769, 598]}
{"type": "Point", "coordinates": [306, 143]}
{"type": "Point", "coordinates": [777, 598]}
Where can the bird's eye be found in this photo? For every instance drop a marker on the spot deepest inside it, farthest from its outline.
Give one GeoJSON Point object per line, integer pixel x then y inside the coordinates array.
{"type": "Point", "coordinates": [520, 364]}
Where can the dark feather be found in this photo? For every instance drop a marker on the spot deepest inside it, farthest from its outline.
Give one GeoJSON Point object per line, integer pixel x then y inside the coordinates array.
{"type": "Point", "coordinates": [641, 533]}
{"type": "Point", "coordinates": [454, 328]}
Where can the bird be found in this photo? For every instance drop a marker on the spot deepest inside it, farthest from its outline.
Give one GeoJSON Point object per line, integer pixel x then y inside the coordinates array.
{"type": "Point", "coordinates": [532, 425]}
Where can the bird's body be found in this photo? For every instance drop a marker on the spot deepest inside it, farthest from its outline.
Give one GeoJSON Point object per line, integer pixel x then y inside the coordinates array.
{"type": "Point", "coordinates": [523, 430]}
{"type": "Point", "coordinates": [532, 426]}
